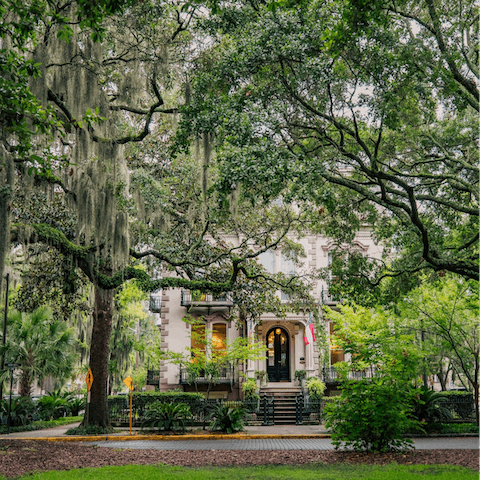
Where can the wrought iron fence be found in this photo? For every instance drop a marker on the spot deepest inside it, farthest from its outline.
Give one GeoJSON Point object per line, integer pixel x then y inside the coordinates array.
{"type": "Point", "coordinates": [331, 375]}
{"type": "Point", "coordinates": [308, 410]}
{"type": "Point", "coordinates": [267, 409]}
{"type": "Point", "coordinates": [119, 408]}
{"type": "Point", "coordinates": [461, 407]}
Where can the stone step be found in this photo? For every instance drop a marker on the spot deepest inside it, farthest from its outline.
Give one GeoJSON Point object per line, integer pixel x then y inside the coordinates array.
{"type": "Point", "coordinates": [284, 397]}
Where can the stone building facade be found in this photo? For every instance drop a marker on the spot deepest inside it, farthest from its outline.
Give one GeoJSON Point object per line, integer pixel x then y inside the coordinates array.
{"type": "Point", "coordinates": [286, 351]}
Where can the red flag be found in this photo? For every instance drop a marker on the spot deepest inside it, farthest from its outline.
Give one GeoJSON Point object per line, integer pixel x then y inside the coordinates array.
{"type": "Point", "coordinates": [309, 330]}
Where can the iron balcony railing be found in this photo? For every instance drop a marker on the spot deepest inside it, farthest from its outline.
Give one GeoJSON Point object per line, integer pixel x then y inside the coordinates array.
{"type": "Point", "coordinates": [206, 300]}
{"type": "Point", "coordinates": [329, 298]}
{"type": "Point", "coordinates": [331, 375]}
{"type": "Point", "coordinates": [224, 375]}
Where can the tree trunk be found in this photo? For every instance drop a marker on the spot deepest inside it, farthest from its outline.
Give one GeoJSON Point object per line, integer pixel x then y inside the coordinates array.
{"type": "Point", "coordinates": [25, 384]}
{"type": "Point", "coordinates": [99, 357]}
{"type": "Point", "coordinates": [7, 181]}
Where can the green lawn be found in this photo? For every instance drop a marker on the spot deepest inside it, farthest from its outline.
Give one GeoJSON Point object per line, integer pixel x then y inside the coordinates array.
{"type": "Point", "coordinates": [301, 472]}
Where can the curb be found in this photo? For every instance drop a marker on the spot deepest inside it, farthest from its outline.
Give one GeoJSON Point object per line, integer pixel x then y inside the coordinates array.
{"type": "Point", "coordinates": [123, 438]}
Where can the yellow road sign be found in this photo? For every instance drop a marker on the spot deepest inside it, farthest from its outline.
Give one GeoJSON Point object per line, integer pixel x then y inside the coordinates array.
{"type": "Point", "coordinates": [129, 383]}
{"type": "Point", "coordinates": [89, 379]}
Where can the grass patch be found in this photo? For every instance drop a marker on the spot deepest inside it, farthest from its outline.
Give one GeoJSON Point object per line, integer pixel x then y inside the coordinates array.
{"type": "Point", "coordinates": [271, 472]}
{"type": "Point", "coordinates": [42, 424]}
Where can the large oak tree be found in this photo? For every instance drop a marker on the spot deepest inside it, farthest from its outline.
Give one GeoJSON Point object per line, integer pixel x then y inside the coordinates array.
{"type": "Point", "coordinates": [366, 110]}
{"type": "Point", "coordinates": [89, 100]}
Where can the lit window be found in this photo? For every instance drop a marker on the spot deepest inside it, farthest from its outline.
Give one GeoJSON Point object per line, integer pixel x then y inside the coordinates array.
{"type": "Point", "coordinates": [197, 341]}
{"type": "Point", "coordinates": [219, 336]}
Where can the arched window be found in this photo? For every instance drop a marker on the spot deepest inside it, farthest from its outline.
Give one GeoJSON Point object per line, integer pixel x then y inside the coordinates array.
{"type": "Point", "coordinates": [219, 337]}
{"type": "Point", "coordinates": [197, 340]}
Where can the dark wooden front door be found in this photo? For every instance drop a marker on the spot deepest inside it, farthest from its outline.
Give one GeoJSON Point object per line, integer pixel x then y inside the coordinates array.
{"type": "Point", "coordinates": [278, 361]}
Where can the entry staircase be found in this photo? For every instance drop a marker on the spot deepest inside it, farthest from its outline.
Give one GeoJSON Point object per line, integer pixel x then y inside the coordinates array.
{"type": "Point", "coordinates": [284, 400]}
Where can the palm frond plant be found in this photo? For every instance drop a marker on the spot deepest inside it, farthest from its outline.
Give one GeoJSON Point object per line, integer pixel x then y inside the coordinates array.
{"type": "Point", "coordinates": [166, 416]}
{"type": "Point", "coordinates": [22, 412]}
{"type": "Point", "coordinates": [51, 407]}
{"type": "Point", "coordinates": [429, 408]}
{"type": "Point", "coordinates": [228, 417]}
{"type": "Point", "coordinates": [75, 405]}
{"type": "Point", "coordinates": [42, 345]}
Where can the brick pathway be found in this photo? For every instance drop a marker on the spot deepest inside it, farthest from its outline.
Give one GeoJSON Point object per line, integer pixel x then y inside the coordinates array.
{"type": "Point", "coordinates": [276, 444]}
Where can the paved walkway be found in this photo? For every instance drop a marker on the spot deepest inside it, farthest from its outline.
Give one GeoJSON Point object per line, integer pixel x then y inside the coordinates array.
{"type": "Point", "coordinates": [250, 430]}
{"type": "Point", "coordinates": [276, 444]}
{"type": "Point", "coordinates": [278, 437]}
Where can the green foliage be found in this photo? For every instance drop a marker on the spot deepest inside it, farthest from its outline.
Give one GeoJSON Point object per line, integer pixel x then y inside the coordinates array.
{"type": "Point", "coordinates": [249, 388]}
{"type": "Point", "coordinates": [261, 375]}
{"type": "Point", "coordinates": [75, 405]}
{"type": "Point", "coordinates": [300, 375]}
{"type": "Point", "coordinates": [227, 418]}
{"type": "Point", "coordinates": [166, 416]}
{"type": "Point", "coordinates": [42, 424]}
{"type": "Point", "coordinates": [89, 430]}
{"type": "Point", "coordinates": [172, 396]}
{"type": "Point", "coordinates": [57, 404]}
{"type": "Point", "coordinates": [370, 415]}
{"type": "Point", "coordinates": [454, 428]}
{"type": "Point", "coordinates": [22, 412]}
{"type": "Point", "coordinates": [41, 345]}
{"type": "Point", "coordinates": [429, 407]}
{"type": "Point", "coordinates": [376, 337]}
{"type": "Point", "coordinates": [315, 388]}
{"type": "Point", "coordinates": [51, 407]}
{"type": "Point", "coordinates": [333, 102]}
{"type": "Point", "coordinates": [447, 311]}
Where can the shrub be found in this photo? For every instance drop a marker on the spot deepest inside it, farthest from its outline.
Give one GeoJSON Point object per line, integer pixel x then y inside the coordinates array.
{"type": "Point", "coordinates": [249, 388]}
{"type": "Point", "coordinates": [51, 407]}
{"type": "Point", "coordinates": [140, 400]}
{"type": "Point", "coordinates": [370, 415]}
{"type": "Point", "coordinates": [166, 416]}
{"type": "Point", "coordinates": [429, 407]}
{"type": "Point", "coordinates": [89, 430]}
{"type": "Point", "coordinates": [75, 405]}
{"type": "Point", "coordinates": [23, 411]}
{"type": "Point", "coordinates": [315, 388]}
{"type": "Point", "coordinates": [227, 418]}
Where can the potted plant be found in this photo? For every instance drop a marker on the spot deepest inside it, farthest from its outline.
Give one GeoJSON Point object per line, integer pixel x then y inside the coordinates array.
{"type": "Point", "coordinates": [300, 376]}
{"type": "Point", "coordinates": [262, 377]}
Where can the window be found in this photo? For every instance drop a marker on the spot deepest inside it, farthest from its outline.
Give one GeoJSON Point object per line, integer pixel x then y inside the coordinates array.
{"type": "Point", "coordinates": [336, 353]}
{"type": "Point", "coordinates": [197, 340]}
{"type": "Point", "coordinates": [219, 337]}
{"type": "Point", "coordinates": [267, 260]}
{"type": "Point", "coordinates": [287, 266]}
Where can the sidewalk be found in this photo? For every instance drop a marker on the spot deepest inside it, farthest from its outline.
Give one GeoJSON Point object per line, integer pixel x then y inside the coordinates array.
{"type": "Point", "coordinates": [255, 437]}
{"type": "Point", "coordinates": [275, 431]}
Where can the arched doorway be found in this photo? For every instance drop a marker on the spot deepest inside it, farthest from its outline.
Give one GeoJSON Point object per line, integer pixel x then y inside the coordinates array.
{"type": "Point", "coordinates": [278, 355]}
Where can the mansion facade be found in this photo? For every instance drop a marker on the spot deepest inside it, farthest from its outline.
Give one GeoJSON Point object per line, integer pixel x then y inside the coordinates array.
{"type": "Point", "coordinates": [286, 348]}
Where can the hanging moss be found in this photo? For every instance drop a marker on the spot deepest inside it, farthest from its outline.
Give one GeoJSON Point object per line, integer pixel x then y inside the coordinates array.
{"type": "Point", "coordinates": [7, 174]}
